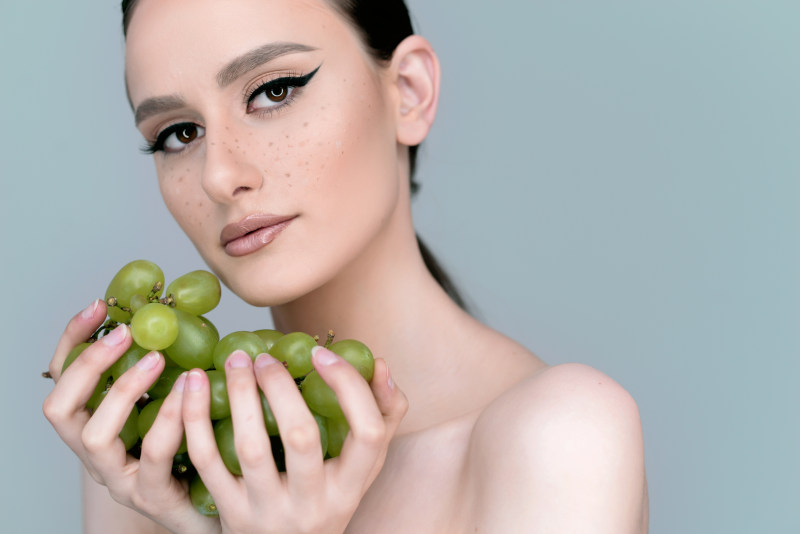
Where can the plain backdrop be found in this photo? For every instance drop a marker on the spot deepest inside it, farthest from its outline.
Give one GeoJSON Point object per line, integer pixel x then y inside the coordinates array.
{"type": "Point", "coordinates": [614, 183]}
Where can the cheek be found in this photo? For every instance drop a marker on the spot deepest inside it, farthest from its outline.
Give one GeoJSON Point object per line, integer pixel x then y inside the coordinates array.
{"type": "Point", "coordinates": [180, 194]}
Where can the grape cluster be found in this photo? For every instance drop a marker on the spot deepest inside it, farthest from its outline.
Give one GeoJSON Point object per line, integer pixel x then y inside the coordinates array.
{"type": "Point", "coordinates": [174, 324]}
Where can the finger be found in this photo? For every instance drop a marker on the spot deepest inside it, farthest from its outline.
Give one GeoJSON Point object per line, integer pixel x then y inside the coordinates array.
{"type": "Point", "coordinates": [392, 403]}
{"type": "Point", "coordinates": [100, 436]}
{"type": "Point", "coordinates": [369, 433]}
{"type": "Point", "coordinates": [250, 434]}
{"type": "Point", "coordinates": [162, 441]}
{"type": "Point", "coordinates": [65, 406]}
{"type": "Point", "coordinates": [78, 330]}
{"type": "Point", "coordinates": [200, 440]}
{"type": "Point", "coordinates": [298, 429]}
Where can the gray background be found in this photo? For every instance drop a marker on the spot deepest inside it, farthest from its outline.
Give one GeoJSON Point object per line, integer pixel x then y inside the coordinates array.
{"type": "Point", "coordinates": [614, 183]}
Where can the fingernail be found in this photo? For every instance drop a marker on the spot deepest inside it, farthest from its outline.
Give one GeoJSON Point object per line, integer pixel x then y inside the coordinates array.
{"type": "Point", "coordinates": [88, 313]}
{"type": "Point", "coordinates": [116, 336]}
{"type": "Point", "coordinates": [180, 382]}
{"type": "Point", "coordinates": [263, 360]}
{"type": "Point", "coordinates": [238, 360]}
{"type": "Point", "coordinates": [323, 356]}
{"type": "Point", "coordinates": [389, 380]}
{"type": "Point", "coordinates": [149, 361]}
{"type": "Point", "coordinates": [195, 381]}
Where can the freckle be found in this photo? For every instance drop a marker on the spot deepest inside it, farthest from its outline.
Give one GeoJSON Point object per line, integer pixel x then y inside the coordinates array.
{"type": "Point", "coordinates": [213, 143]}
{"type": "Point", "coordinates": [271, 143]}
{"type": "Point", "coordinates": [251, 134]}
{"type": "Point", "coordinates": [305, 125]}
{"type": "Point", "coordinates": [287, 136]}
{"type": "Point", "coordinates": [187, 203]}
{"type": "Point", "coordinates": [320, 143]}
{"type": "Point", "coordinates": [199, 204]}
{"type": "Point", "coordinates": [236, 141]}
{"type": "Point", "coordinates": [230, 151]}
{"type": "Point", "coordinates": [288, 175]}
{"type": "Point", "coordinates": [180, 179]}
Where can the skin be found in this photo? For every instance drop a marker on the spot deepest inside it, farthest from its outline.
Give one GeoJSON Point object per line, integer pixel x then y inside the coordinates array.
{"type": "Point", "coordinates": [470, 432]}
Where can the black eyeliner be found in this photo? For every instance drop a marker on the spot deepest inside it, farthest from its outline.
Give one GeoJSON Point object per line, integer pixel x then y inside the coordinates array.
{"type": "Point", "coordinates": [298, 81]}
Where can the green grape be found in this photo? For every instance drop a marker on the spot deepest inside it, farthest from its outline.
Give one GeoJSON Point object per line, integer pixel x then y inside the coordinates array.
{"type": "Point", "coordinates": [197, 292]}
{"type": "Point", "coordinates": [155, 327]}
{"type": "Point", "coordinates": [138, 302]}
{"type": "Point", "coordinates": [295, 350]}
{"type": "Point", "coordinates": [356, 354]}
{"type": "Point", "coordinates": [337, 432]}
{"type": "Point", "coordinates": [128, 434]}
{"type": "Point", "coordinates": [129, 358]}
{"type": "Point", "coordinates": [182, 467]}
{"type": "Point", "coordinates": [210, 325]}
{"type": "Point", "coordinates": [223, 433]}
{"type": "Point", "coordinates": [164, 384]}
{"type": "Point", "coordinates": [148, 416]}
{"type": "Point", "coordinates": [100, 391]}
{"type": "Point", "coordinates": [220, 406]}
{"type": "Point", "coordinates": [194, 346]}
{"type": "Point", "coordinates": [246, 341]}
{"type": "Point", "coordinates": [269, 336]}
{"type": "Point", "coordinates": [201, 498]}
{"type": "Point", "coordinates": [269, 417]}
{"type": "Point", "coordinates": [322, 423]}
{"type": "Point", "coordinates": [320, 397]}
{"type": "Point", "coordinates": [136, 278]}
{"type": "Point", "coordinates": [73, 355]}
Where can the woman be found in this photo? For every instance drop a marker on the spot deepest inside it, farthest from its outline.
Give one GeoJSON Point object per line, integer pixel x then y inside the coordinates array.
{"type": "Point", "coordinates": [283, 135]}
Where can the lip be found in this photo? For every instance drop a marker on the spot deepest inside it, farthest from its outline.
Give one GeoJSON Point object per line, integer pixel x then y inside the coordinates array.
{"type": "Point", "coordinates": [253, 233]}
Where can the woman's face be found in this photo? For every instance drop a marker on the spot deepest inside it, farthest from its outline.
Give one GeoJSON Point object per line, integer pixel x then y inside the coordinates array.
{"type": "Point", "coordinates": [274, 137]}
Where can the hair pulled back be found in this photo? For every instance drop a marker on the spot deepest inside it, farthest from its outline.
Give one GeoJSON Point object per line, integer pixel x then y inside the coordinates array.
{"type": "Point", "coordinates": [382, 25]}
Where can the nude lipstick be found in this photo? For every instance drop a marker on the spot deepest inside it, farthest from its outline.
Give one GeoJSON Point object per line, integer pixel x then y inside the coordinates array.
{"type": "Point", "coordinates": [252, 233]}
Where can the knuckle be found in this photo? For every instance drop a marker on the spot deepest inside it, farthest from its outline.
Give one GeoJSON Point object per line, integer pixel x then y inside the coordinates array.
{"type": "Point", "coordinates": [151, 453]}
{"type": "Point", "coordinates": [303, 439]}
{"type": "Point", "coordinates": [53, 410]}
{"type": "Point", "coordinates": [371, 433]}
{"type": "Point", "coordinates": [252, 453]}
{"type": "Point", "coordinates": [202, 458]}
{"type": "Point", "coordinates": [92, 441]}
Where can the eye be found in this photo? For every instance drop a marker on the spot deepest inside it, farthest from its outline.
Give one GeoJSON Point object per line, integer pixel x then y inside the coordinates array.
{"type": "Point", "coordinates": [268, 97]}
{"type": "Point", "coordinates": [176, 137]}
{"type": "Point", "coordinates": [277, 93]}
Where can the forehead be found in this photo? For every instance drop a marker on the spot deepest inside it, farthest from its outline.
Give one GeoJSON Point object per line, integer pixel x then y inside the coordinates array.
{"type": "Point", "coordinates": [171, 39]}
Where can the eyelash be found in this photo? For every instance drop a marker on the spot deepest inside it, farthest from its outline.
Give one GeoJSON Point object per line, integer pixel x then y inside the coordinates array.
{"type": "Point", "coordinates": [291, 83]}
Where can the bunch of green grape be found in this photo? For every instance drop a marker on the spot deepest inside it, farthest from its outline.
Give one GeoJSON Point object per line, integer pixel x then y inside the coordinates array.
{"type": "Point", "coordinates": [172, 322]}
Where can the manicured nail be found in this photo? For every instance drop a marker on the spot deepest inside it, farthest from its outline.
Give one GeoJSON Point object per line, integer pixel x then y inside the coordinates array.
{"type": "Point", "coordinates": [263, 360]}
{"type": "Point", "coordinates": [116, 336]}
{"type": "Point", "coordinates": [195, 381]}
{"type": "Point", "coordinates": [149, 361]}
{"type": "Point", "coordinates": [323, 356]}
{"type": "Point", "coordinates": [180, 382]}
{"type": "Point", "coordinates": [88, 313]}
{"type": "Point", "coordinates": [389, 380]}
{"type": "Point", "coordinates": [238, 360]}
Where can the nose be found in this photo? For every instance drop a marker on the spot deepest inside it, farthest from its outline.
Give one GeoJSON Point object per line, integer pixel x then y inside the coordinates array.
{"type": "Point", "coordinates": [228, 172]}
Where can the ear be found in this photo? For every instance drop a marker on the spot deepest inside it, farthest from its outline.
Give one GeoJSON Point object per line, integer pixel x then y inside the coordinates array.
{"type": "Point", "coordinates": [416, 75]}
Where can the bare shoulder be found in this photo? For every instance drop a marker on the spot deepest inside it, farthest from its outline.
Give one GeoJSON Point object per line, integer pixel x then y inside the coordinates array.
{"type": "Point", "coordinates": [561, 451]}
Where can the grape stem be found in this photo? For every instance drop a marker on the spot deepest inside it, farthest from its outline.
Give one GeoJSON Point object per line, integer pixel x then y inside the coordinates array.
{"type": "Point", "coordinates": [329, 341]}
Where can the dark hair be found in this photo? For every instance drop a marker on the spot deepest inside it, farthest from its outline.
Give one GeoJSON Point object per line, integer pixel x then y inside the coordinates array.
{"type": "Point", "coordinates": [382, 24]}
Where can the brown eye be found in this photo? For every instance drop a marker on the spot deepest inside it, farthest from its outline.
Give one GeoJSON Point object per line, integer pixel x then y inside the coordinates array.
{"type": "Point", "coordinates": [187, 134]}
{"type": "Point", "coordinates": [277, 94]}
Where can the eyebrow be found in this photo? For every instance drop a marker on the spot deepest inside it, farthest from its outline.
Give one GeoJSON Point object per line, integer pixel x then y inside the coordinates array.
{"type": "Point", "coordinates": [255, 58]}
{"type": "Point", "coordinates": [227, 75]}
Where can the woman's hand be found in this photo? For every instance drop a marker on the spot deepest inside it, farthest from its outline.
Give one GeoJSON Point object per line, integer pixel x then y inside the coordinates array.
{"type": "Point", "coordinates": [146, 485]}
{"type": "Point", "coordinates": [312, 496]}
